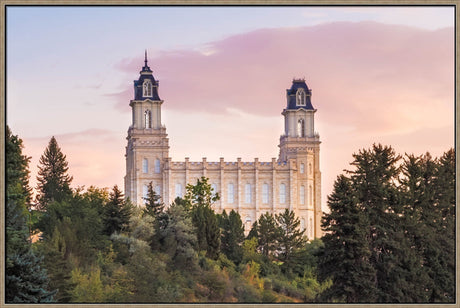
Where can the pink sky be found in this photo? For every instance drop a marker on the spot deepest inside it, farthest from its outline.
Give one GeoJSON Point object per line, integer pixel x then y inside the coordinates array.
{"type": "Point", "coordinates": [372, 83]}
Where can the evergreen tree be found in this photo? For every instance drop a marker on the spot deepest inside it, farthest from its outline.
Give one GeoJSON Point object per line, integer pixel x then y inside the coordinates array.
{"type": "Point", "coordinates": [290, 237]}
{"type": "Point", "coordinates": [25, 280]}
{"type": "Point", "coordinates": [53, 180]}
{"type": "Point", "coordinates": [17, 170]}
{"type": "Point", "coordinates": [444, 227]}
{"type": "Point", "coordinates": [232, 236]}
{"type": "Point", "coordinates": [345, 257]}
{"type": "Point", "coordinates": [117, 212]}
{"type": "Point", "coordinates": [200, 198]}
{"type": "Point", "coordinates": [153, 206]}
{"type": "Point", "coordinates": [267, 231]}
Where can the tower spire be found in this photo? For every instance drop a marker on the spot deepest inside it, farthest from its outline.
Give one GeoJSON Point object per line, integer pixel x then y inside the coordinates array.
{"type": "Point", "coordinates": [146, 68]}
{"type": "Point", "coordinates": [145, 61]}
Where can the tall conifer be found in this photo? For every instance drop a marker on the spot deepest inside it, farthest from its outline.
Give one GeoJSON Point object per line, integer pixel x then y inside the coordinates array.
{"type": "Point", "coordinates": [53, 180]}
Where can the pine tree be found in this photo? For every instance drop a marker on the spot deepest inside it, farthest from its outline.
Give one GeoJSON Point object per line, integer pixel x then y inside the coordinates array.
{"type": "Point", "coordinates": [290, 237]}
{"type": "Point", "coordinates": [345, 257]}
{"type": "Point", "coordinates": [53, 180]}
{"type": "Point", "coordinates": [25, 280]}
{"type": "Point", "coordinates": [200, 198]}
{"type": "Point", "coordinates": [444, 227]}
{"type": "Point", "coordinates": [117, 212]}
{"type": "Point", "coordinates": [153, 206]}
{"type": "Point", "coordinates": [267, 232]}
{"type": "Point", "coordinates": [232, 236]}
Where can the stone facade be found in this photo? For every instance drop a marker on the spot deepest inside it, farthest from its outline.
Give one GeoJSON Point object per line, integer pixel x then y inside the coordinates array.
{"type": "Point", "coordinates": [292, 181]}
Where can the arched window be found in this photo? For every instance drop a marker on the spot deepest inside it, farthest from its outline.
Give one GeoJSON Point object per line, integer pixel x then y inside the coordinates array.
{"type": "Point", "coordinates": [148, 119]}
{"type": "Point", "coordinates": [248, 193]}
{"type": "Point", "coordinates": [178, 190]}
{"type": "Point", "coordinates": [310, 193]}
{"type": "Point", "coordinates": [302, 194]}
{"type": "Point", "coordinates": [300, 97]}
{"type": "Point", "coordinates": [302, 168]}
{"type": "Point", "coordinates": [302, 224]}
{"type": "Point", "coordinates": [145, 165]}
{"type": "Point", "coordinates": [282, 193]}
{"type": "Point", "coordinates": [230, 193]}
{"type": "Point", "coordinates": [301, 128]}
{"type": "Point", "coordinates": [147, 88]}
{"type": "Point", "coordinates": [157, 166]}
{"type": "Point", "coordinates": [265, 193]}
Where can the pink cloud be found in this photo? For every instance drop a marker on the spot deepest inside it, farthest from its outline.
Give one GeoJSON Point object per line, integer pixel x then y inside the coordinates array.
{"type": "Point", "coordinates": [361, 73]}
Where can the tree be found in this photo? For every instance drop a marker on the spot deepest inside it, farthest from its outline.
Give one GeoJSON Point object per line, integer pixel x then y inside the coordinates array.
{"type": "Point", "coordinates": [117, 212]}
{"type": "Point", "coordinates": [179, 238]}
{"type": "Point", "coordinates": [267, 232]}
{"type": "Point", "coordinates": [25, 280]}
{"type": "Point", "coordinates": [153, 206]}
{"type": "Point", "coordinates": [232, 236]}
{"type": "Point", "coordinates": [345, 256]}
{"type": "Point", "coordinates": [290, 237]}
{"type": "Point", "coordinates": [200, 197]}
{"type": "Point", "coordinates": [17, 170]}
{"type": "Point", "coordinates": [53, 180]}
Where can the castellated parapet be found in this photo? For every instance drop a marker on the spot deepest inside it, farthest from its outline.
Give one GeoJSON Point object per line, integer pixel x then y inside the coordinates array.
{"type": "Point", "coordinates": [291, 181]}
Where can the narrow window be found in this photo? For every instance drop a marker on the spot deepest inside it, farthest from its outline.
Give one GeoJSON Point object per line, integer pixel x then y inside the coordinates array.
{"type": "Point", "coordinates": [247, 224]}
{"type": "Point", "coordinates": [148, 117]}
{"type": "Point", "coordinates": [302, 194]}
{"type": "Point", "coordinates": [302, 168]}
{"type": "Point", "coordinates": [158, 190]}
{"type": "Point", "coordinates": [311, 228]}
{"type": "Point", "coordinates": [310, 194]}
{"type": "Point", "coordinates": [214, 189]}
{"type": "Point", "coordinates": [178, 190]}
{"type": "Point", "coordinates": [230, 193]}
{"type": "Point", "coordinates": [145, 192]}
{"type": "Point", "coordinates": [301, 128]}
{"type": "Point", "coordinates": [157, 166]}
{"type": "Point", "coordinates": [145, 165]}
{"type": "Point", "coordinates": [302, 224]}
{"type": "Point", "coordinates": [265, 193]}
{"type": "Point", "coordinates": [282, 193]}
{"type": "Point", "coordinates": [248, 193]}
{"type": "Point", "coordinates": [147, 88]}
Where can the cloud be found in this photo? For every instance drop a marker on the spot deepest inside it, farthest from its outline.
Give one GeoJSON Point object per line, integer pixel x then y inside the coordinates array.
{"type": "Point", "coordinates": [371, 76]}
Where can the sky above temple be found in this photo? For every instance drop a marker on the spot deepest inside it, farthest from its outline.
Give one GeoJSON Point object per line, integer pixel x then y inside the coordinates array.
{"type": "Point", "coordinates": [378, 75]}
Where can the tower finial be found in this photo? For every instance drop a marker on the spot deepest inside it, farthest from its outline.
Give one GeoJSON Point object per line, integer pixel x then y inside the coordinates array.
{"type": "Point", "coordinates": [145, 57]}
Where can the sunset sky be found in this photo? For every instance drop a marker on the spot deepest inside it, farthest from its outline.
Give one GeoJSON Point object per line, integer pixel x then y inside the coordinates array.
{"type": "Point", "coordinates": [378, 74]}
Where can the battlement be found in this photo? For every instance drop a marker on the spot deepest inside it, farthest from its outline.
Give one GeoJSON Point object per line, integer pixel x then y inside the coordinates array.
{"type": "Point", "coordinates": [222, 164]}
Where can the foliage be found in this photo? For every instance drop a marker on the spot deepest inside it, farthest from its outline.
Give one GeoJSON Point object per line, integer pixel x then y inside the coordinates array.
{"type": "Point", "coordinates": [117, 212]}
{"type": "Point", "coordinates": [200, 197]}
{"type": "Point", "coordinates": [387, 238]}
{"type": "Point", "coordinates": [53, 180]}
{"type": "Point", "coordinates": [232, 235]}
{"type": "Point", "coordinates": [153, 206]}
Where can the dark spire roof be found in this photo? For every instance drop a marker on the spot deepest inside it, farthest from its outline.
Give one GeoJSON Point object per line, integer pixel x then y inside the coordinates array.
{"type": "Point", "coordinates": [146, 68]}
{"type": "Point", "coordinates": [146, 74]}
{"type": "Point", "coordinates": [291, 95]}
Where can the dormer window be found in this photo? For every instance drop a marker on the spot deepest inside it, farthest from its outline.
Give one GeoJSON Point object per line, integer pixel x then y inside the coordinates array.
{"type": "Point", "coordinates": [300, 97]}
{"type": "Point", "coordinates": [147, 86]}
